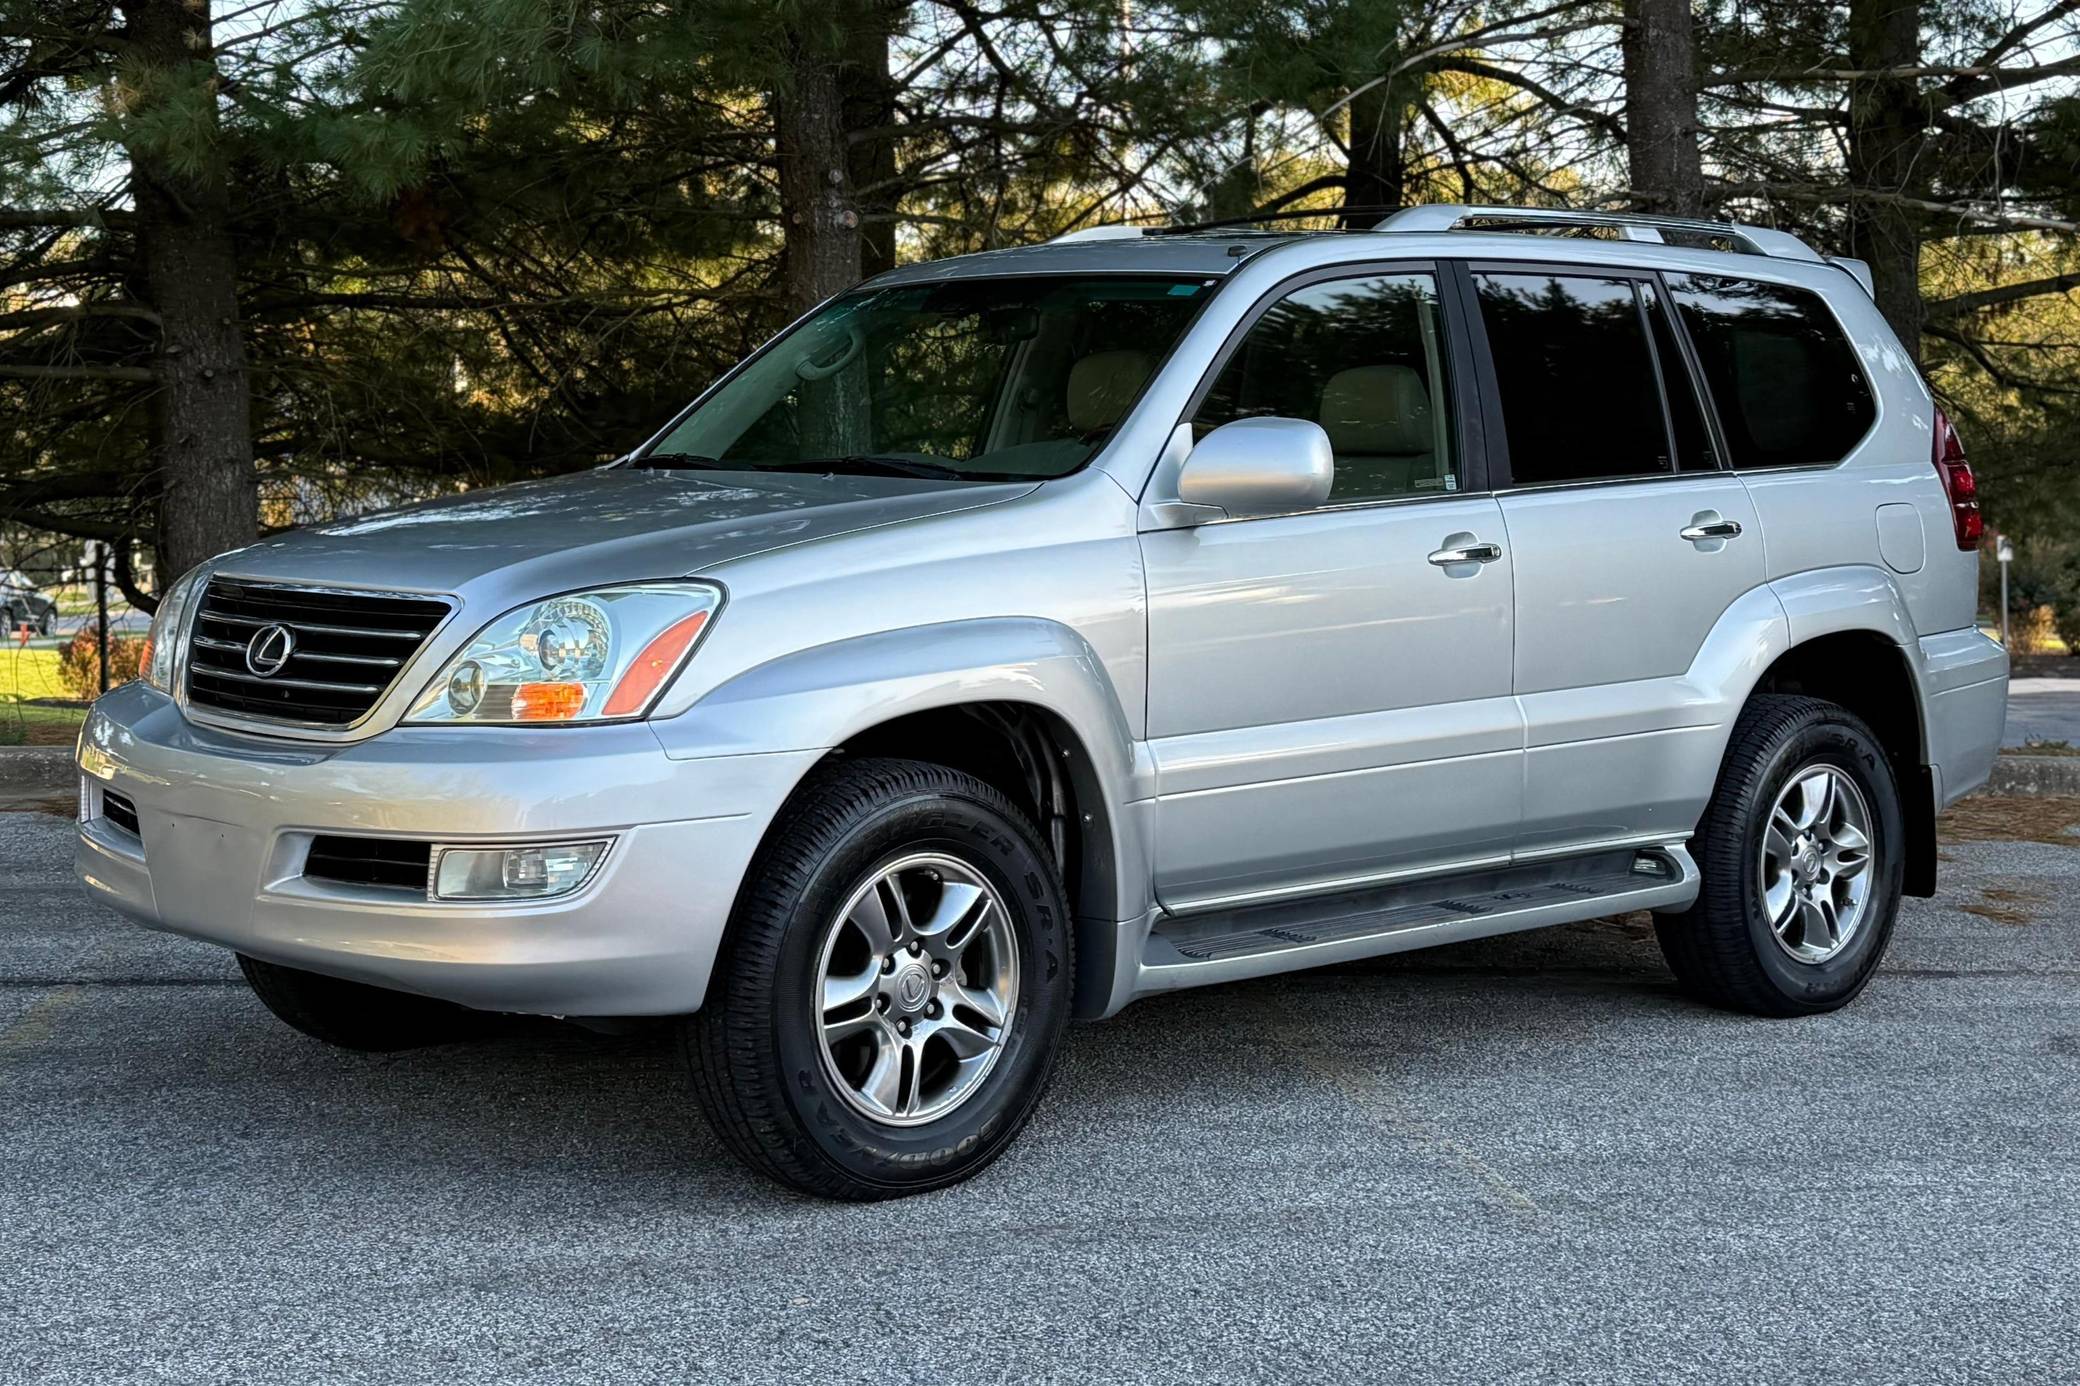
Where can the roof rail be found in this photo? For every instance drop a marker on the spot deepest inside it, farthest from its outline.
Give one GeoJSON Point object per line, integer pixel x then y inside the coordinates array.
{"type": "Point", "coordinates": [1112, 231]}
{"type": "Point", "coordinates": [1635, 226]}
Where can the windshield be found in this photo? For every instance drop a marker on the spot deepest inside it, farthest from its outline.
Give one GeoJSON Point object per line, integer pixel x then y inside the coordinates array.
{"type": "Point", "coordinates": [976, 379]}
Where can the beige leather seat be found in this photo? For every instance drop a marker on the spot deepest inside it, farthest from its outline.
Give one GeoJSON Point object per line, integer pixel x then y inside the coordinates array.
{"type": "Point", "coordinates": [1382, 428]}
{"type": "Point", "coordinates": [1102, 385]}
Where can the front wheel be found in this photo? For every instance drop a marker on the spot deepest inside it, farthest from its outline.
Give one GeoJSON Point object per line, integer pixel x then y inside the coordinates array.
{"type": "Point", "coordinates": [1800, 850]}
{"type": "Point", "coordinates": [885, 1012]}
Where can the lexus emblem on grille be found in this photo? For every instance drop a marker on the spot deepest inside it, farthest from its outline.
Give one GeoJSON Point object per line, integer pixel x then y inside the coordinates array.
{"type": "Point", "coordinates": [269, 650]}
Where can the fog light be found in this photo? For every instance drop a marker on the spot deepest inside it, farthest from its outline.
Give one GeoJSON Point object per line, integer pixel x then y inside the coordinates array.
{"type": "Point", "coordinates": [513, 873]}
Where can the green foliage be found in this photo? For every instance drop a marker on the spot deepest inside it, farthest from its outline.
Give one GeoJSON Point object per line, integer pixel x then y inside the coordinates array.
{"type": "Point", "coordinates": [484, 239]}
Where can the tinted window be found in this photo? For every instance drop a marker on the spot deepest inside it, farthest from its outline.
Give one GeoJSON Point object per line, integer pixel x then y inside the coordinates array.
{"type": "Point", "coordinates": [1788, 385]}
{"type": "Point", "coordinates": [1685, 412]}
{"type": "Point", "coordinates": [1580, 395]}
{"type": "Point", "coordinates": [1364, 358]}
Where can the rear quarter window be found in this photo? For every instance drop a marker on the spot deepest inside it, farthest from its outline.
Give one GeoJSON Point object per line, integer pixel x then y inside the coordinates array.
{"type": "Point", "coordinates": [1788, 385]}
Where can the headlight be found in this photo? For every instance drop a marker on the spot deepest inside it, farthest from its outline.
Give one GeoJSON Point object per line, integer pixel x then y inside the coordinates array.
{"type": "Point", "coordinates": [163, 644]}
{"type": "Point", "coordinates": [594, 656]}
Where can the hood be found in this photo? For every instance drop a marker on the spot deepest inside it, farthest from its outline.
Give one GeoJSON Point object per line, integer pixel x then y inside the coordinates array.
{"type": "Point", "coordinates": [616, 524]}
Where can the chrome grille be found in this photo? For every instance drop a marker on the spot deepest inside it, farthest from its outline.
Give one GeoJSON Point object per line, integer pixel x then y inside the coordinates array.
{"type": "Point", "coordinates": [347, 648]}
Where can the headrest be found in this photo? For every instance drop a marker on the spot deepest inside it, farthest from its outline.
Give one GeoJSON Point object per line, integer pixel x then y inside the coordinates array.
{"type": "Point", "coordinates": [1102, 385]}
{"type": "Point", "coordinates": [1373, 410]}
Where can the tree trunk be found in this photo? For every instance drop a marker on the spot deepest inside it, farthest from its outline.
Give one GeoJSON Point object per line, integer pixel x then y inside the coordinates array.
{"type": "Point", "coordinates": [868, 103]}
{"type": "Point", "coordinates": [1887, 118]}
{"type": "Point", "coordinates": [1661, 107]}
{"type": "Point", "coordinates": [821, 250]}
{"type": "Point", "coordinates": [201, 430]}
{"type": "Point", "coordinates": [1377, 174]}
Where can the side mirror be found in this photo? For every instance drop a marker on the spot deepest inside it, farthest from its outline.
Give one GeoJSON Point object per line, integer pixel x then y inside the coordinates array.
{"type": "Point", "coordinates": [1265, 466]}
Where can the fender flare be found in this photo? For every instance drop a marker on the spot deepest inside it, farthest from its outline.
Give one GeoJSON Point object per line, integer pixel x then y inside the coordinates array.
{"type": "Point", "coordinates": [822, 696]}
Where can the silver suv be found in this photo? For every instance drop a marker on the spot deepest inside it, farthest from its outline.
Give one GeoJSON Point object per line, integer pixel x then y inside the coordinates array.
{"type": "Point", "coordinates": [1022, 634]}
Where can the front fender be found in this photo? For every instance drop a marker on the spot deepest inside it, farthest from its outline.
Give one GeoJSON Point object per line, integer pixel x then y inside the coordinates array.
{"type": "Point", "coordinates": [823, 696]}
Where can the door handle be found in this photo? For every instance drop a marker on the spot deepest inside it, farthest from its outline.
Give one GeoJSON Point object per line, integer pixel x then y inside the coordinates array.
{"type": "Point", "coordinates": [1467, 553]}
{"type": "Point", "coordinates": [1712, 529]}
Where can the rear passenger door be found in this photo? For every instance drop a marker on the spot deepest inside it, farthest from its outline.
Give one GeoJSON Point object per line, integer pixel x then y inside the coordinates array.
{"type": "Point", "coordinates": [1630, 544]}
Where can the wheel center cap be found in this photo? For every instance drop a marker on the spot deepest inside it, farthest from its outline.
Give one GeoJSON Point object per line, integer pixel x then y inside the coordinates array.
{"type": "Point", "coordinates": [913, 987]}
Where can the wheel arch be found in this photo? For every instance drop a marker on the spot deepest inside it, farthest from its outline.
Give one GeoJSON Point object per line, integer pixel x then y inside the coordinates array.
{"type": "Point", "coordinates": [1024, 704]}
{"type": "Point", "coordinates": [1852, 643]}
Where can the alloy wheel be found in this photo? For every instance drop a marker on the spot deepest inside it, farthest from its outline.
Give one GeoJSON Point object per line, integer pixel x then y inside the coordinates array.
{"type": "Point", "coordinates": [916, 987]}
{"type": "Point", "coordinates": [1815, 866]}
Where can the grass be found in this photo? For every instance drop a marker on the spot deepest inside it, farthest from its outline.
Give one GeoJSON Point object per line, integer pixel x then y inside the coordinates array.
{"type": "Point", "coordinates": [36, 724]}
{"type": "Point", "coordinates": [1991, 818]}
{"type": "Point", "coordinates": [36, 708]}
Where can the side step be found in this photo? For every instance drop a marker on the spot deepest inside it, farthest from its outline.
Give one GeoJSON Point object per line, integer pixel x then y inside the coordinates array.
{"type": "Point", "coordinates": [1290, 934]}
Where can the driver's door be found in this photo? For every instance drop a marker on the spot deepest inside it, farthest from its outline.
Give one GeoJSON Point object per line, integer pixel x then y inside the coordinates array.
{"type": "Point", "coordinates": [1329, 699]}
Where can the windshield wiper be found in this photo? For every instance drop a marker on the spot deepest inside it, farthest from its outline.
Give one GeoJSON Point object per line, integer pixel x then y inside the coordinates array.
{"type": "Point", "coordinates": [680, 461]}
{"type": "Point", "coordinates": [877, 464]}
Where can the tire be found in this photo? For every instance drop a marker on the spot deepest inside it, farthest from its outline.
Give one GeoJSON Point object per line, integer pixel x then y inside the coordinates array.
{"type": "Point", "coordinates": [352, 1015]}
{"type": "Point", "coordinates": [44, 625]}
{"type": "Point", "coordinates": [1725, 949]}
{"type": "Point", "coordinates": [794, 1106]}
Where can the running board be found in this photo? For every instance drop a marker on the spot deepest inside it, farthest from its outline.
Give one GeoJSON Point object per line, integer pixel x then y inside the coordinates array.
{"type": "Point", "coordinates": [1259, 940]}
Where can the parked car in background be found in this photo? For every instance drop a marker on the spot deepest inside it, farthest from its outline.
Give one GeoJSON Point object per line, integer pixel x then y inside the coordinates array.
{"type": "Point", "coordinates": [1022, 634]}
{"type": "Point", "coordinates": [23, 603]}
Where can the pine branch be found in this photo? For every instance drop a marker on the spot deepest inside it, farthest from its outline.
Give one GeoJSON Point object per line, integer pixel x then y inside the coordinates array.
{"type": "Point", "coordinates": [142, 375]}
{"type": "Point", "coordinates": [43, 317]}
{"type": "Point", "coordinates": [97, 218]}
{"type": "Point", "coordinates": [1938, 211]}
{"type": "Point", "coordinates": [1958, 305]}
{"type": "Point", "coordinates": [1966, 83]}
{"type": "Point", "coordinates": [1602, 120]}
{"type": "Point", "coordinates": [2017, 36]}
{"type": "Point", "coordinates": [2014, 380]}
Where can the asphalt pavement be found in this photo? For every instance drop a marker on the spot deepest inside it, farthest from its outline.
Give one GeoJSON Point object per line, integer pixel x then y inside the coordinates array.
{"type": "Point", "coordinates": [1526, 1158]}
{"type": "Point", "coordinates": [2041, 710]}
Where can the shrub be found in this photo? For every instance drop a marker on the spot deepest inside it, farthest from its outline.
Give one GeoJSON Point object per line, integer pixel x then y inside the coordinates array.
{"type": "Point", "coordinates": [79, 663]}
{"type": "Point", "coordinates": [2034, 630]}
{"type": "Point", "coordinates": [2065, 599]}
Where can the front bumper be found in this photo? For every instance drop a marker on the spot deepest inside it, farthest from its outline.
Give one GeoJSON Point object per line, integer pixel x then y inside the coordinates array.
{"type": "Point", "coordinates": [224, 821]}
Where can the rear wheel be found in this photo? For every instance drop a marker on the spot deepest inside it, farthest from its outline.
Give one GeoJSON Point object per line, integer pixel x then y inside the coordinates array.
{"type": "Point", "coordinates": [885, 1013]}
{"type": "Point", "coordinates": [49, 619]}
{"type": "Point", "coordinates": [352, 1015]}
{"type": "Point", "coordinates": [1800, 849]}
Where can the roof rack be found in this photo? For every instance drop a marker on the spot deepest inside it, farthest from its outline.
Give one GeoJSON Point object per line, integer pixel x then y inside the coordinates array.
{"type": "Point", "coordinates": [1737, 237]}
{"type": "Point", "coordinates": [1254, 220]}
{"type": "Point", "coordinates": [1111, 231]}
{"type": "Point", "coordinates": [1634, 226]}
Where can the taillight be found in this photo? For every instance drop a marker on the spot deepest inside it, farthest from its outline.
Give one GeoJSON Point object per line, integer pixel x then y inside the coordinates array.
{"type": "Point", "coordinates": [1959, 484]}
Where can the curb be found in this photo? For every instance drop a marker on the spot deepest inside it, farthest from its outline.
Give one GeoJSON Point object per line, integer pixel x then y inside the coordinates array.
{"type": "Point", "coordinates": [37, 776]}
{"type": "Point", "coordinates": [35, 769]}
{"type": "Point", "coordinates": [2035, 776]}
